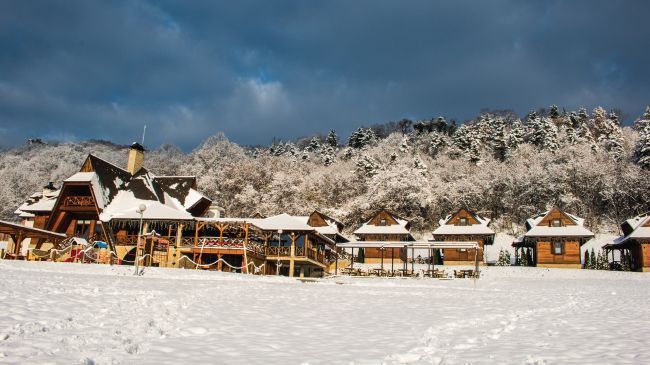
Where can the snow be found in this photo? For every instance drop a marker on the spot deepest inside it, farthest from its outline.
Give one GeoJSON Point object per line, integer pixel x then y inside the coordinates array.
{"type": "Point", "coordinates": [125, 206]}
{"type": "Point", "coordinates": [81, 177]}
{"type": "Point", "coordinates": [95, 314]}
{"type": "Point", "coordinates": [463, 230]}
{"type": "Point", "coordinates": [399, 228]}
{"type": "Point", "coordinates": [281, 221]}
{"type": "Point", "coordinates": [573, 231]}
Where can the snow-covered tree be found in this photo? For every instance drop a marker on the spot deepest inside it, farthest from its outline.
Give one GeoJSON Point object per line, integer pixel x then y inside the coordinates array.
{"type": "Point", "coordinates": [608, 132]}
{"type": "Point", "coordinates": [587, 262]}
{"type": "Point", "coordinates": [516, 135]}
{"type": "Point", "coordinates": [404, 146]}
{"type": "Point", "coordinates": [499, 140]}
{"type": "Point", "coordinates": [642, 149]}
{"type": "Point", "coordinates": [419, 165]}
{"type": "Point", "coordinates": [436, 143]}
{"type": "Point", "coordinates": [332, 139]}
{"type": "Point", "coordinates": [362, 137]}
{"type": "Point", "coordinates": [592, 260]}
{"type": "Point", "coordinates": [368, 166]}
{"type": "Point", "coordinates": [314, 145]}
{"type": "Point", "coordinates": [542, 132]}
{"type": "Point", "coordinates": [504, 258]}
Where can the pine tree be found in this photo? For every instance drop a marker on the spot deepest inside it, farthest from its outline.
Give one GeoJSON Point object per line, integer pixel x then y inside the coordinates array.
{"type": "Point", "coordinates": [314, 145]}
{"type": "Point", "coordinates": [404, 146]}
{"type": "Point", "coordinates": [419, 165]}
{"type": "Point", "coordinates": [642, 149]}
{"type": "Point", "coordinates": [516, 135]}
{"type": "Point", "coordinates": [332, 139]}
{"type": "Point", "coordinates": [608, 133]}
{"type": "Point", "coordinates": [436, 144]}
{"type": "Point", "coordinates": [362, 137]}
{"type": "Point", "coordinates": [592, 260]}
{"type": "Point", "coordinates": [499, 140]}
{"type": "Point", "coordinates": [504, 258]}
{"type": "Point", "coordinates": [367, 166]}
{"type": "Point", "coordinates": [571, 136]}
{"type": "Point", "coordinates": [542, 132]}
{"type": "Point", "coordinates": [587, 263]}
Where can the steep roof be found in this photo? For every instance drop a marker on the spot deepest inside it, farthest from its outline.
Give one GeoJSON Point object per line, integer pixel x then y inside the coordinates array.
{"type": "Point", "coordinates": [640, 226]}
{"type": "Point", "coordinates": [576, 229]}
{"type": "Point", "coordinates": [119, 194]}
{"type": "Point", "coordinates": [401, 226]}
{"type": "Point", "coordinates": [448, 228]}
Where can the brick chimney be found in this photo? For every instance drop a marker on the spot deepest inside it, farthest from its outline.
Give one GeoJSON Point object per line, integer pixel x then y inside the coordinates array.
{"type": "Point", "coordinates": [136, 157]}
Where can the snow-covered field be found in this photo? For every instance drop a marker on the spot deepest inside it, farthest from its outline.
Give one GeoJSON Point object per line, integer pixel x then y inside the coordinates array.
{"type": "Point", "coordinates": [73, 313]}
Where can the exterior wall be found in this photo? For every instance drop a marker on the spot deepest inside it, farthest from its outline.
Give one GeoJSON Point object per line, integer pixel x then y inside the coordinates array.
{"type": "Point", "coordinates": [373, 255]}
{"type": "Point", "coordinates": [645, 255]}
{"type": "Point", "coordinates": [376, 220]}
{"type": "Point", "coordinates": [556, 214]}
{"type": "Point", "coordinates": [561, 266]}
{"type": "Point", "coordinates": [462, 257]}
{"type": "Point", "coordinates": [545, 256]}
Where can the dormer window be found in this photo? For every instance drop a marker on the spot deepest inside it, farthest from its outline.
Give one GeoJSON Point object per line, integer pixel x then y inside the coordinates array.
{"type": "Point", "coordinates": [382, 222]}
{"type": "Point", "coordinates": [462, 221]}
{"type": "Point", "coordinates": [556, 223]}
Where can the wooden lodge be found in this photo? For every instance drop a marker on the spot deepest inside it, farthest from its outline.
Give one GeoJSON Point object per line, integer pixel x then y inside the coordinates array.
{"type": "Point", "coordinates": [553, 239]}
{"type": "Point", "coordinates": [303, 246]}
{"type": "Point", "coordinates": [384, 226]}
{"type": "Point", "coordinates": [634, 244]}
{"type": "Point", "coordinates": [464, 225]}
{"type": "Point", "coordinates": [180, 227]}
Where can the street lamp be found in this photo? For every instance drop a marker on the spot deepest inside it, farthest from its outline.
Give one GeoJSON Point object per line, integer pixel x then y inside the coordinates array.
{"type": "Point", "coordinates": [277, 265]}
{"type": "Point", "coordinates": [141, 209]}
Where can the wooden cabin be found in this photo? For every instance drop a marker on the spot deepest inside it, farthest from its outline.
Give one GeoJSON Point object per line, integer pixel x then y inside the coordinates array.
{"type": "Point", "coordinates": [464, 226]}
{"type": "Point", "coordinates": [553, 239]}
{"type": "Point", "coordinates": [384, 226]}
{"type": "Point", "coordinates": [634, 244]}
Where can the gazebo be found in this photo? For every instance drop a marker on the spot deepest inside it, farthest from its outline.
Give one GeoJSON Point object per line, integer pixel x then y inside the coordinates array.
{"type": "Point", "coordinates": [19, 232]}
{"type": "Point", "coordinates": [406, 245]}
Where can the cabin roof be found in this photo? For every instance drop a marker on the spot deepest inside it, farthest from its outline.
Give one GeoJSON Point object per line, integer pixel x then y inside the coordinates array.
{"type": "Point", "coordinates": [118, 194]}
{"type": "Point", "coordinates": [639, 231]}
{"type": "Point", "coordinates": [283, 222]}
{"type": "Point", "coordinates": [577, 230]}
{"type": "Point", "coordinates": [451, 229]}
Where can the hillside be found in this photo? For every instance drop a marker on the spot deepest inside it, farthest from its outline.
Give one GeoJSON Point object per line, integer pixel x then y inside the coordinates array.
{"type": "Point", "coordinates": [504, 167]}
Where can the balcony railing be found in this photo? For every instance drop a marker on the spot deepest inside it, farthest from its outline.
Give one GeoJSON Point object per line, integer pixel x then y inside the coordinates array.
{"type": "Point", "coordinates": [78, 201]}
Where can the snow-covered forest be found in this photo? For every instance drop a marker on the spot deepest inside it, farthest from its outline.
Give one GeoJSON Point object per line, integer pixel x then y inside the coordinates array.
{"type": "Point", "coordinates": [506, 167]}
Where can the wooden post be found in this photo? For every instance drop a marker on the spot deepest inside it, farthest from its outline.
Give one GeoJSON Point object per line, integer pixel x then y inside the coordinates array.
{"type": "Point", "coordinates": [179, 235]}
{"type": "Point", "coordinates": [352, 260]}
{"type": "Point", "coordinates": [196, 240]}
{"type": "Point", "coordinates": [220, 263]}
{"type": "Point", "coordinates": [392, 260]}
{"type": "Point", "coordinates": [382, 258]}
{"type": "Point", "coordinates": [293, 254]}
{"type": "Point", "coordinates": [245, 245]}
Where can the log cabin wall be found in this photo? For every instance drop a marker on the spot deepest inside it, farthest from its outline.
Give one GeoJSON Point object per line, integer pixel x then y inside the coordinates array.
{"type": "Point", "coordinates": [645, 255]}
{"type": "Point", "coordinates": [545, 255]}
{"type": "Point", "coordinates": [453, 256]}
{"type": "Point", "coordinates": [373, 255]}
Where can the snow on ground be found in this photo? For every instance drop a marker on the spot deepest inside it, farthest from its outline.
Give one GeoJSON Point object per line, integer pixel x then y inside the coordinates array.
{"type": "Point", "coordinates": [96, 314]}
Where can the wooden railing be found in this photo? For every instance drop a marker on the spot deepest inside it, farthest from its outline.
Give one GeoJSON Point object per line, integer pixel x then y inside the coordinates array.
{"type": "Point", "coordinates": [78, 201]}
{"type": "Point", "coordinates": [278, 251]}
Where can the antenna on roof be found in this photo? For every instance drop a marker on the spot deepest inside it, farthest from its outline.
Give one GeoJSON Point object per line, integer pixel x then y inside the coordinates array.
{"type": "Point", "coordinates": [144, 131]}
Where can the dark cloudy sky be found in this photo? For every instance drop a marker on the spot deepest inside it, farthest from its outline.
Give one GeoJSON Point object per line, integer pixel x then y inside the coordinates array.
{"type": "Point", "coordinates": [74, 70]}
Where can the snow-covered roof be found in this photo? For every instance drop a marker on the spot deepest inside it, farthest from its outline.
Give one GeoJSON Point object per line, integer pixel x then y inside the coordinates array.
{"type": "Point", "coordinates": [451, 229]}
{"type": "Point", "coordinates": [125, 206]}
{"type": "Point", "coordinates": [282, 221]}
{"type": "Point", "coordinates": [81, 177]}
{"type": "Point", "coordinates": [637, 223]}
{"type": "Point", "coordinates": [330, 229]}
{"type": "Point", "coordinates": [38, 202]}
{"type": "Point", "coordinates": [577, 230]}
{"type": "Point", "coordinates": [399, 228]}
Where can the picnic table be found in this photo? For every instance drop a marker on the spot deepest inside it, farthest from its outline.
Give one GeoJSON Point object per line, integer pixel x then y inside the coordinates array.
{"type": "Point", "coordinates": [405, 272]}
{"type": "Point", "coordinates": [379, 272]}
{"type": "Point", "coordinates": [464, 273]}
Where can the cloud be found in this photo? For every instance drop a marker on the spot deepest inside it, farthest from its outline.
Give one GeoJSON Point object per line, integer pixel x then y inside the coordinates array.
{"type": "Point", "coordinates": [255, 69]}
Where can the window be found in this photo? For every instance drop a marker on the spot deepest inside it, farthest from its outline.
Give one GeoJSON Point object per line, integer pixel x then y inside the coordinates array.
{"type": "Point", "coordinates": [556, 223]}
{"type": "Point", "coordinates": [382, 222]}
{"type": "Point", "coordinates": [462, 221]}
{"type": "Point", "coordinates": [82, 228]}
{"type": "Point", "coordinates": [558, 247]}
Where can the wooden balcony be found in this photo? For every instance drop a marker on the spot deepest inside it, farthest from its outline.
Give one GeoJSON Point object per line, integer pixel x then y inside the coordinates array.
{"type": "Point", "coordinates": [301, 252]}
{"type": "Point", "coordinates": [78, 201]}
